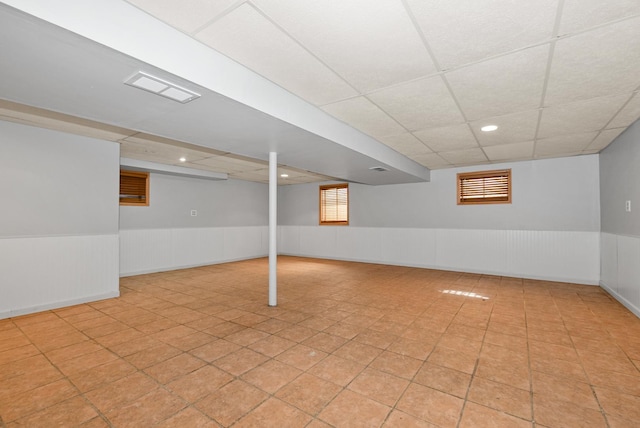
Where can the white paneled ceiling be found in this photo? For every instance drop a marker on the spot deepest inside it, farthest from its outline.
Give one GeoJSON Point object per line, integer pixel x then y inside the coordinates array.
{"type": "Point", "coordinates": [419, 104]}
{"type": "Point", "coordinates": [371, 44]}
{"type": "Point", "coordinates": [364, 115]}
{"type": "Point", "coordinates": [448, 138]}
{"type": "Point", "coordinates": [270, 52]}
{"type": "Point", "coordinates": [465, 31]}
{"type": "Point", "coordinates": [555, 76]}
{"type": "Point", "coordinates": [558, 77]}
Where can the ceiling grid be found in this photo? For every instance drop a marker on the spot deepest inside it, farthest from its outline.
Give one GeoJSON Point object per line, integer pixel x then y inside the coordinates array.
{"type": "Point", "coordinates": [558, 77]}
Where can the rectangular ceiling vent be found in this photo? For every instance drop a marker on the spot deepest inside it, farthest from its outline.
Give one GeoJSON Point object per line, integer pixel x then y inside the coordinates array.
{"type": "Point", "coordinates": [161, 87]}
{"type": "Point", "coordinates": [378, 168]}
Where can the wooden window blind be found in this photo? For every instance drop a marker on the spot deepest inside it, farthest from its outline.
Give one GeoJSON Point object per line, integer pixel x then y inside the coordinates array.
{"type": "Point", "coordinates": [134, 188]}
{"type": "Point", "coordinates": [334, 204]}
{"type": "Point", "coordinates": [484, 187]}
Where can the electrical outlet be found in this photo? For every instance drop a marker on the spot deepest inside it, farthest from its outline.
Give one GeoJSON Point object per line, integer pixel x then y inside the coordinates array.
{"type": "Point", "coordinates": [627, 206]}
{"type": "Point", "coordinates": [194, 213]}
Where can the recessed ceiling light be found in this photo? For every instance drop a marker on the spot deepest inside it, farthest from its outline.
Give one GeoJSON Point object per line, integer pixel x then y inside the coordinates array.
{"type": "Point", "coordinates": [488, 128]}
{"type": "Point", "coordinates": [183, 159]}
{"type": "Point", "coordinates": [284, 175]}
{"type": "Point", "coordinates": [161, 87]}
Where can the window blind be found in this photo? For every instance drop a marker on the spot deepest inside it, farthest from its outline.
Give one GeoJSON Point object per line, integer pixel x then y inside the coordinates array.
{"type": "Point", "coordinates": [334, 204]}
{"type": "Point", "coordinates": [134, 188]}
{"type": "Point", "coordinates": [484, 187]}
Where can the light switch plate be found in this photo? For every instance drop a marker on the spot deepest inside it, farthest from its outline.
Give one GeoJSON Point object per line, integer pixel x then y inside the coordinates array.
{"type": "Point", "coordinates": [194, 213]}
{"type": "Point", "coordinates": [627, 206]}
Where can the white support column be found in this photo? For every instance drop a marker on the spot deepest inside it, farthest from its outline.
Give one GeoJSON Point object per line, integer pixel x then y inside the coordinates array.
{"type": "Point", "coordinates": [273, 224]}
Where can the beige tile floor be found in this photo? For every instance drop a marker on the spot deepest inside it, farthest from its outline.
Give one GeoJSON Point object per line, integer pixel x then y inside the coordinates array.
{"type": "Point", "coordinates": [348, 345]}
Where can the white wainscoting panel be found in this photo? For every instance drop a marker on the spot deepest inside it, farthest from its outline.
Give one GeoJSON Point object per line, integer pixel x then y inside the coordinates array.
{"type": "Point", "coordinates": [409, 247]}
{"type": "Point", "coordinates": [318, 241]}
{"type": "Point", "coordinates": [482, 251]}
{"type": "Point", "coordinates": [40, 273]}
{"type": "Point", "coordinates": [549, 255]}
{"type": "Point", "coordinates": [629, 268]}
{"type": "Point", "coordinates": [145, 250]}
{"type": "Point", "coordinates": [558, 256]}
{"type": "Point", "coordinates": [155, 250]}
{"type": "Point", "coordinates": [194, 246]}
{"type": "Point", "coordinates": [623, 258]}
{"type": "Point", "coordinates": [244, 242]}
{"type": "Point", "coordinates": [609, 261]}
{"type": "Point", "coordinates": [289, 239]}
{"type": "Point", "coordinates": [358, 243]}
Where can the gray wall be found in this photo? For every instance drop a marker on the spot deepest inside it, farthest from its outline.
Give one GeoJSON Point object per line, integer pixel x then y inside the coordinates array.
{"type": "Point", "coordinates": [553, 194]}
{"type": "Point", "coordinates": [53, 183]}
{"type": "Point", "coordinates": [619, 182]}
{"type": "Point", "coordinates": [219, 204]}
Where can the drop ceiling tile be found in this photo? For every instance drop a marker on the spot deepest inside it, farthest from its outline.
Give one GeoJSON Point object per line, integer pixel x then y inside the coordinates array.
{"type": "Point", "coordinates": [629, 114]}
{"type": "Point", "coordinates": [564, 155]}
{"type": "Point", "coordinates": [149, 157]}
{"type": "Point", "coordinates": [160, 143]}
{"type": "Point", "coordinates": [372, 44]}
{"type": "Point", "coordinates": [247, 37]}
{"type": "Point", "coordinates": [578, 15]}
{"type": "Point", "coordinates": [422, 103]}
{"type": "Point", "coordinates": [448, 138]}
{"type": "Point", "coordinates": [231, 165]}
{"type": "Point", "coordinates": [605, 138]}
{"type": "Point", "coordinates": [299, 176]}
{"type": "Point", "coordinates": [510, 152]}
{"type": "Point", "coordinates": [579, 117]}
{"type": "Point", "coordinates": [157, 152]}
{"type": "Point", "coordinates": [589, 152]}
{"type": "Point", "coordinates": [597, 63]}
{"type": "Point", "coordinates": [465, 157]}
{"type": "Point", "coordinates": [512, 128]}
{"type": "Point", "coordinates": [502, 85]}
{"type": "Point", "coordinates": [431, 161]}
{"type": "Point", "coordinates": [364, 115]}
{"type": "Point", "coordinates": [185, 16]}
{"type": "Point", "coordinates": [219, 166]}
{"type": "Point", "coordinates": [295, 177]}
{"type": "Point", "coordinates": [311, 178]}
{"type": "Point", "coordinates": [464, 31]}
{"type": "Point", "coordinates": [563, 145]}
{"type": "Point", "coordinates": [291, 172]}
{"type": "Point", "coordinates": [406, 143]}
{"type": "Point", "coordinates": [261, 176]}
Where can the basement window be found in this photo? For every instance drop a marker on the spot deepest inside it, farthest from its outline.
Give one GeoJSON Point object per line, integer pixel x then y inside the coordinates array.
{"type": "Point", "coordinates": [134, 188]}
{"type": "Point", "coordinates": [334, 204]}
{"type": "Point", "coordinates": [484, 187]}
